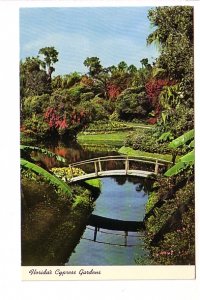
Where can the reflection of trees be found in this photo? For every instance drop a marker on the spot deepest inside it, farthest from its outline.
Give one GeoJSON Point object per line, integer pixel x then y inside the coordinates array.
{"type": "Point", "coordinates": [145, 186]}
{"type": "Point", "coordinates": [114, 165]}
{"type": "Point", "coordinates": [141, 166]}
{"type": "Point", "coordinates": [74, 152]}
{"type": "Point", "coordinates": [120, 179]}
{"type": "Point", "coordinates": [142, 184]}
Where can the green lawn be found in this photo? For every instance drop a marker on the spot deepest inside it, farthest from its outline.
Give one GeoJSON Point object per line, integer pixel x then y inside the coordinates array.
{"type": "Point", "coordinates": [106, 137]}
{"type": "Point", "coordinates": [131, 152]}
{"type": "Point", "coordinates": [112, 126]}
{"type": "Point", "coordinates": [117, 139]}
{"type": "Point", "coordinates": [94, 182]}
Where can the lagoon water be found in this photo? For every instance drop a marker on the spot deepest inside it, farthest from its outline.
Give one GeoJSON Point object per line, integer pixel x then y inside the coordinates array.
{"type": "Point", "coordinates": [122, 198]}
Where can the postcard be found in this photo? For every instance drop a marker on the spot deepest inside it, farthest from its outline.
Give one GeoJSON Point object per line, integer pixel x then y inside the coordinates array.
{"type": "Point", "coordinates": [106, 133]}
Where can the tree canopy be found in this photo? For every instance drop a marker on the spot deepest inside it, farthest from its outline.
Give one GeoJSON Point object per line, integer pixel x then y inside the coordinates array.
{"type": "Point", "coordinates": [50, 57]}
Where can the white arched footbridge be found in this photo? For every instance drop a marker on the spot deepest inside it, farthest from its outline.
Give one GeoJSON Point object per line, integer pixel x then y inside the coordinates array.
{"type": "Point", "coordinates": [117, 165]}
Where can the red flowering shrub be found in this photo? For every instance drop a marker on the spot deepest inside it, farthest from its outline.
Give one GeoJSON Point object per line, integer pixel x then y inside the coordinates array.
{"type": "Point", "coordinates": [113, 91]}
{"type": "Point", "coordinates": [152, 121]}
{"type": "Point", "coordinates": [57, 119]}
{"type": "Point", "coordinates": [54, 120]}
{"type": "Point", "coordinates": [153, 89]}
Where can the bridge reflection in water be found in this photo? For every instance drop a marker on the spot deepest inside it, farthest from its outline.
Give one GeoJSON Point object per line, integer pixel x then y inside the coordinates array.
{"type": "Point", "coordinates": [98, 222]}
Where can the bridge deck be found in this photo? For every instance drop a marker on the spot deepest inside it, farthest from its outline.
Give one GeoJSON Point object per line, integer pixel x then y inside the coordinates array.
{"type": "Point", "coordinates": [98, 166]}
{"type": "Point", "coordinates": [138, 173]}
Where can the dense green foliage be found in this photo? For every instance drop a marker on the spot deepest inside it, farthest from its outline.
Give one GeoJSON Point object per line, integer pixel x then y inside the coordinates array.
{"type": "Point", "coordinates": [104, 103]}
{"type": "Point", "coordinates": [174, 27]}
{"type": "Point", "coordinates": [49, 177]}
{"type": "Point", "coordinates": [62, 106]}
{"type": "Point", "coordinates": [170, 222]}
{"type": "Point", "coordinates": [186, 161]}
{"type": "Point", "coordinates": [51, 218]}
{"type": "Point", "coordinates": [170, 208]}
{"type": "Point", "coordinates": [160, 93]}
{"type": "Point", "coordinates": [133, 103]}
{"type": "Point", "coordinates": [28, 163]}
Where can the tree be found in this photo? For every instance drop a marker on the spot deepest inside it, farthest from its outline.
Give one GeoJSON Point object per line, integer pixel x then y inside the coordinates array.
{"type": "Point", "coordinates": [174, 34]}
{"type": "Point", "coordinates": [35, 104]}
{"type": "Point", "coordinates": [33, 80]}
{"type": "Point", "coordinates": [50, 58]}
{"type": "Point", "coordinates": [132, 69]}
{"type": "Point", "coordinates": [94, 65]}
{"type": "Point", "coordinates": [144, 62]}
{"type": "Point", "coordinates": [122, 66]}
{"type": "Point", "coordinates": [121, 77]}
{"type": "Point", "coordinates": [132, 104]}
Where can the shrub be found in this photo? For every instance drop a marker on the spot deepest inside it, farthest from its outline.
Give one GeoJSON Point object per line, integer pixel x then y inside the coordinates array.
{"type": "Point", "coordinates": [145, 141]}
{"type": "Point", "coordinates": [36, 127]}
{"type": "Point", "coordinates": [87, 96]}
{"type": "Point", "coordinates": [35, 104]}
{"type": "Point", "coordinates": [153, 89]}
{"type": "Point", "coordinates": [65, 173]}
{"type": "Point", "coordinates": [132, 105]}
{"type": "Point", "coordinates": [176, 244]}
{"type": "Point", "coordinates": [75, 92]}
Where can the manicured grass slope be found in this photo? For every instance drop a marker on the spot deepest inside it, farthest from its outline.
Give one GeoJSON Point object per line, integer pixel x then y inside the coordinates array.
{"type": "Point", "coordinates": [131, 152]}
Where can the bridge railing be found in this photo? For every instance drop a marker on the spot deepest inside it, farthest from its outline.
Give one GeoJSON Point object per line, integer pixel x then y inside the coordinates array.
{"type": "Point", "coordinates": [98, 163]}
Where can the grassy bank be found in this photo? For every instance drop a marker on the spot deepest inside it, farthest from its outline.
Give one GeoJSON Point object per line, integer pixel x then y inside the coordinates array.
{"type": "Point", "coordinates": [95, 147]}
{"type": "Point", "coordinates": [114, 126]}
{"type": "Point", "coordinates": [131, 152]}
{"type": "Point", "coordinates": [117, 137]}
{"type": "Point", "coordinates": [53, 218]}
{"type": "Point", "coordinates": [110, 132]}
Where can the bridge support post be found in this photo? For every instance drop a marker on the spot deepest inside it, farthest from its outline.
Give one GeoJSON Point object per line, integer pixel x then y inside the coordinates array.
{"type": "Point", "coordinates": [71, 171]}
{"type": "Point", "coordinates": [126, 234]}
{"type": "Point", "coordinates": [156, 167]}
{"type": "Point", "coordinates": [95, 234]}
{"type": "Point", "coordinates": [100, 167]}
{"type": "Point", "coordinates": [126, 165]}
{"type": "Point", "coordinates": [96, 168]}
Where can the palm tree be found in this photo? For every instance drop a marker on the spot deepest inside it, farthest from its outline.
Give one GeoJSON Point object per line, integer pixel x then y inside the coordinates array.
{"type": "Point", "coordinates": [50, 58]}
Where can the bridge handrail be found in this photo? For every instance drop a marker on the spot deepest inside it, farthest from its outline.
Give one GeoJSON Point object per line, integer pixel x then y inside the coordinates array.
{"type": "Point", "coordinates": [151, 160]}
{"type": "Point", "coordinates": [103, 158]}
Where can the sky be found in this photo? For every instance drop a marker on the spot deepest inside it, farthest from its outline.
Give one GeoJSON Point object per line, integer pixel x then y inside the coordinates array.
{"type": "Point", "coordinates": [113, 34]}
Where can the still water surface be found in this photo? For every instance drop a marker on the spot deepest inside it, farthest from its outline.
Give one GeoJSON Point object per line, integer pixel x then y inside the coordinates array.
{"type": "Point", "coordinates": [122, 198]}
